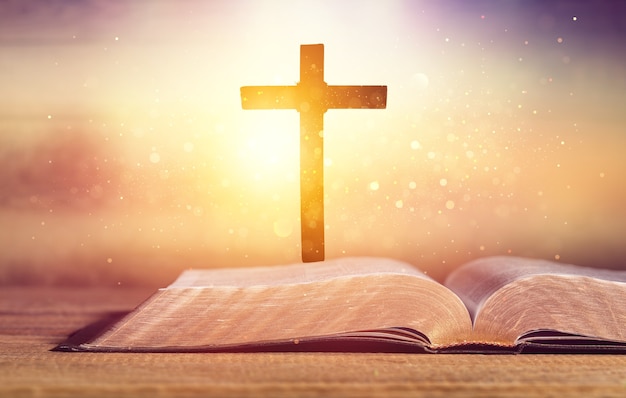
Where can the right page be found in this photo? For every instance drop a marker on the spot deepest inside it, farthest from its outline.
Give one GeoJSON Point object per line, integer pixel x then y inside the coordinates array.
{"type": "Point", "coordinates": [517, 301]}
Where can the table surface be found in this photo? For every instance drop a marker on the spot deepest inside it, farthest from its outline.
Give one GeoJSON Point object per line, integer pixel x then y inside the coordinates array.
{"type": "Point", "coordinates": [34, 320]}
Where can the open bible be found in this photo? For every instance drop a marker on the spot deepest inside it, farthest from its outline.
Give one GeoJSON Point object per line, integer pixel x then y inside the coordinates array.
{"type": "Point", "coordinates": [493, 304]}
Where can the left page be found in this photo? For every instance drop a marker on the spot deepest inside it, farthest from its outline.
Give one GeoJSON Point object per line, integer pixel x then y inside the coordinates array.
{"type": "Point", "coordinates": [359, 299]}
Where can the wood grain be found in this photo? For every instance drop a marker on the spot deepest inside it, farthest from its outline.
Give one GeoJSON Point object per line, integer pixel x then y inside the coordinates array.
{"type": "Point", "coordinates": [35, 320]}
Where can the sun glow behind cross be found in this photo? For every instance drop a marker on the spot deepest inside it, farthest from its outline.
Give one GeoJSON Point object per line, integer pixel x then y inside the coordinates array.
{"type": "Point", "coordinates": [270, 150]}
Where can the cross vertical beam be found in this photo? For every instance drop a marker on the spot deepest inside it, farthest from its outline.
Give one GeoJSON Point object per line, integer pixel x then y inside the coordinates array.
{"type": "Point", "coordinates": [312, 97]}
{"type": "Point", "coordinates": [311, 90]}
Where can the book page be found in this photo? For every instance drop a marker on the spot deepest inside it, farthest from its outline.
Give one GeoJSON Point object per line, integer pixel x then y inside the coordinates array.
{"type": "Point", "coordinates": [295, 273]}
{"type": "Point", "coordinates": [508, 297]}
{"type": "Point", "coordinates": [351, 297]}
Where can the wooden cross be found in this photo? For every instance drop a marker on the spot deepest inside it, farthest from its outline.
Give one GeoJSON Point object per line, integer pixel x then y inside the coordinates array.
{"type": "Point", "coordinates": [312, 97]}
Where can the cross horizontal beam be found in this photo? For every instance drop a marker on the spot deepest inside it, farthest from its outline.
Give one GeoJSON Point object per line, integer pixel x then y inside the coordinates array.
{"type": "Point", "coordinates": [331, 97]}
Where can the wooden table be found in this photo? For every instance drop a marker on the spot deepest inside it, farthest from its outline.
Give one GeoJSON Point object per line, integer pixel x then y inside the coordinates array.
{"type": "Point", "coordinates": [34, 320]}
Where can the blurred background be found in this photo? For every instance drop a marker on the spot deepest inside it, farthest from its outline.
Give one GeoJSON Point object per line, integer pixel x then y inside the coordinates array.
{"type": "Point", "coordinates": [125, 156]}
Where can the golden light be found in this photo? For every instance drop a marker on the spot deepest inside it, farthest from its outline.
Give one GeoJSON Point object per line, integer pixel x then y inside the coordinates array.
{"type": "Point", "coordinates": [269, 149]}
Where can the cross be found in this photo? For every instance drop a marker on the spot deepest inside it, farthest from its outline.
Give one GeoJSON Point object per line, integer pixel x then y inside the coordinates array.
{"type": "Point", "coordinates": [312, 97]}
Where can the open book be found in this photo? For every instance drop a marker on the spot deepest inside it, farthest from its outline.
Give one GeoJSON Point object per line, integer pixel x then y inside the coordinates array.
{"type": "Point", "coordinates": [493, 304]}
